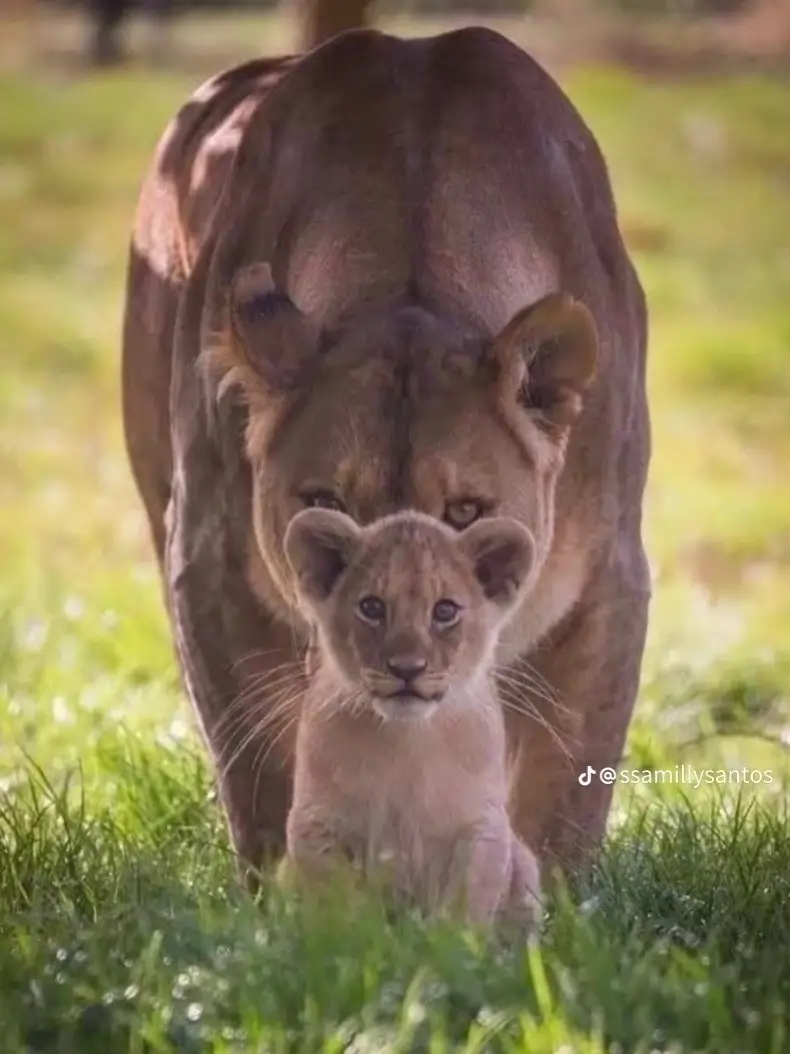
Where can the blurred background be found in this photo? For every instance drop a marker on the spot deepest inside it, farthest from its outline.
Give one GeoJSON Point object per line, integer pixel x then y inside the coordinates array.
{"type": "Point", "coordinates": [691, 103]}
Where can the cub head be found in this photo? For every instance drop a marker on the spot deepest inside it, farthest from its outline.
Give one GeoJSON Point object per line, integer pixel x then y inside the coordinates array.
{"type": "Point", "coordinates": [406, 609]}
{"type": "Point", "coordinates": [395, 408]}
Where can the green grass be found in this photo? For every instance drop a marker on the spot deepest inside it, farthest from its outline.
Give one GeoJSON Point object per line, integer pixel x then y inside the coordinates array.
{"type": "Point", "coordinates": [122, 926]}
{"type": "Point", "coordinates": [123, 929]}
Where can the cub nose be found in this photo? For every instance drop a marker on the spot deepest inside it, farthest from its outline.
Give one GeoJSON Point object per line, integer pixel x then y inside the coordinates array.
{"type": "Point", "coordinates": [406, 667]}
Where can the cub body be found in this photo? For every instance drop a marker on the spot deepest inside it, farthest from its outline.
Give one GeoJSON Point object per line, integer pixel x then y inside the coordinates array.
{"type": "Point", "coordinates": [400, 749]}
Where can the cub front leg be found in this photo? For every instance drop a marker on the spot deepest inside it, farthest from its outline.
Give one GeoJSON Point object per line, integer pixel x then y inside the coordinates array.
{"type": "Point", "coordinates": [489, 869]}
{"type": "Point", "coordinates": [316, 854]}
{"type": "Point", "coordinates": [523, 906]}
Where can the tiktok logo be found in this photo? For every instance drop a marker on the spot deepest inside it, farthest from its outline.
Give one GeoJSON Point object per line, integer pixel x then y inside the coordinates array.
{"type": "Point", "coordinates": [606, 775]}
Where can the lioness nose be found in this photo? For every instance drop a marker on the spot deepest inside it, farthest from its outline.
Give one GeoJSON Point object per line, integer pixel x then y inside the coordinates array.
{"type": "Point", "coordinates": [407, 667]}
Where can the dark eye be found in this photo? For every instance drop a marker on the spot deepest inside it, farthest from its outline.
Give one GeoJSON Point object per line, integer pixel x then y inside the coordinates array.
{"type": "Point", "coordinates": [372, 609]}
{"type": "Point", "coordinates": [323, 499]}
{"type": "Point", "coordinates": [445, 612]}
{"type": "Point", "coordinates": [461, 514]}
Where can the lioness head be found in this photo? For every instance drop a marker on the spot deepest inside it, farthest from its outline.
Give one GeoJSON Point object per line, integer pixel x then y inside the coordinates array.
{"type": "Point", "coordinates": [406, 608]}
{"type": "Point", "coordinates": [399, 408]}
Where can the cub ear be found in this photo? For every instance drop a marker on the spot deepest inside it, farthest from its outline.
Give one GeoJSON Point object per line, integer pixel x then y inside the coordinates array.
{"type": "Point", "coordinates": [319, 545]}
{"type": "Point", "coordinates": [268, 342]}
{"type": "Point", "coordinates": [548, 355]}
{"type": "Point", "coordinates": [502, 552]}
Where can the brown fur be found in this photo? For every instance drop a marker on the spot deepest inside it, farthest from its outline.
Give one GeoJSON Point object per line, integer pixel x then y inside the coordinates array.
{"type": "Point", "coordinates": [398, 262]}
{"type": "Point", "coordinates": [410, 771]}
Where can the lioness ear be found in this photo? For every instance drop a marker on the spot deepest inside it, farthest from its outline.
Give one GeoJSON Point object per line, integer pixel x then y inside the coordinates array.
{"type": "Point", "coordinates": [548, 354]}
{"type": "Point", "coordinates": [269, 341]}
{"type": "Point", "coordinates": [319, 545]}
{"type": "Point", "coordinates": [502, 552]}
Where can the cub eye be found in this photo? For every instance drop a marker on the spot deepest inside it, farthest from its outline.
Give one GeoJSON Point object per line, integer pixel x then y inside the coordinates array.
{"type": "Point", "coordinates": [372, 609]}
{"type": "Point", "coordinates": [461, 514]}
{"type": "Point", "coordinates": [446, 612]}
{"type": "Point", "coordinates": [323, 499]}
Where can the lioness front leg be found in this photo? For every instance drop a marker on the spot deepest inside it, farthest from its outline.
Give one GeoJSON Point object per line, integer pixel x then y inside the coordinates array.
{"type": "Point", "coordinates": [234, 684]}
{"type": "Point", "coordinates": [238, 661]}
{"type": "Point", "coordinates": [591, 674]}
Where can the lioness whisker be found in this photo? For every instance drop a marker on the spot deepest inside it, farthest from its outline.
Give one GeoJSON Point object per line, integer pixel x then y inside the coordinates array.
{"type": "Point", "coordinates": [283, 707]}
{"type": "Point", "coordinates": [257, 654]}
{"type": "Point", "coordinates": [531, 712]}
{"type": "Point", "coordinates": [525, 670]}
{"type": "Point", "coordinates": [525, 689]}
{"type": "Point", "coordinates": [259, 761]}
{"type": "Point", "coordinates": [251, 699]}
{"type": "Point", "coordinates": [261, 685]}
{"type": "Point", "coordinates": [521, 680]}
{"type": "Point", "coordinates": [272, 710]}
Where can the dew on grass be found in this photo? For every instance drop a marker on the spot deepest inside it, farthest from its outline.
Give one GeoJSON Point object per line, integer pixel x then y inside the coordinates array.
{"type": "Point", "coordinates": [416, 1012]}
{"type": "Point", "coordinates": [373, 1041]}
{"type": "Point", "coordinates": [35, 635]}
{"type": "Point", "coordinates": [131, 992]}
{"type": "Point", "coordinates": [194, 1012]}
{"type": "Point", "coordinates": [589, 906]}
{"type": "Point", "coordinates": [489, 1018]}
{"type": "Point", "coordinates": [61, 711]}
{"type": "Point", "coordinates": [74, 608]}
{"type": "Point", "coordinates": [261, 938]}
{"type": "Point", "coordinates": [233, 1034]}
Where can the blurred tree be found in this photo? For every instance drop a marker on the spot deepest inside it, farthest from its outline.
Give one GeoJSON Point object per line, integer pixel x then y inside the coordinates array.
{"type": "Point", "coordinates": [108, 20]}
{"type": "Point", "coordinates": [108, 17]}
{"type": "Point", "coordinates": [322, 19]}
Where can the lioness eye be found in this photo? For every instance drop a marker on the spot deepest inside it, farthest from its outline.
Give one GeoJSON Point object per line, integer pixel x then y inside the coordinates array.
{"type": "Point", "coordinates": [460, 514]}
{"type": "Point", "coordinates": [445, 612]}
{"type": "Point", "coordinates": [323, 499]}
{"type": "Point", "coordinates": [373, 609]}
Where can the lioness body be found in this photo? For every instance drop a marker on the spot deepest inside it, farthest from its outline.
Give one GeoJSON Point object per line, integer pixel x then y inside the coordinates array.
{"type": "Point", "coordinates": [409, 197]}
{"type": "Point", "coordinates": [400, 751]}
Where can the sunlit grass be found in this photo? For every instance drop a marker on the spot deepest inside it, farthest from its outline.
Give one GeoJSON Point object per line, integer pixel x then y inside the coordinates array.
{"type": "Point", "coordinates": [121, 922]}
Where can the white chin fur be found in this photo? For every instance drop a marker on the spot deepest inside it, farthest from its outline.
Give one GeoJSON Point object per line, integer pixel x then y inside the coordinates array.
{"type": "Point", "coordinates": [403, 710]}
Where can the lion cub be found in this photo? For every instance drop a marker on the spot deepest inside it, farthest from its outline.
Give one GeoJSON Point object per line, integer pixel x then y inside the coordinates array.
{"type": "Point", "coordinates": [400, 755]}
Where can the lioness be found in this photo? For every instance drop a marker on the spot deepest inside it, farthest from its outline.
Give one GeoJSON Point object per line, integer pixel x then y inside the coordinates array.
{"type": "Point", "coordinates": [400, 749]}
{"type": "Point", "coordinates": [389, 275]}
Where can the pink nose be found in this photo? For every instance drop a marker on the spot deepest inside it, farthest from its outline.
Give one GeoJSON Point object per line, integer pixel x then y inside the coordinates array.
{"type": "Point", "coordinates": [407, 668]}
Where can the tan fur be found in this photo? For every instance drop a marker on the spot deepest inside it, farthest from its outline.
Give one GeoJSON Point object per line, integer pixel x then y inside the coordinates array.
{"type": "Point", "coordinates": [386, 276]}
{"type": "Point", "coordinates": [411, 786]}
